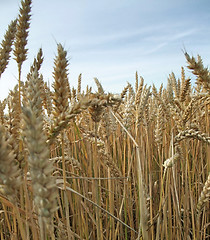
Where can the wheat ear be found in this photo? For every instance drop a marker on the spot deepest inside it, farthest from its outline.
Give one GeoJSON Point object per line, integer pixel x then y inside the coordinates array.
{"type": "Point", "coordinates": [23, 24]}
{"type": "Point", "coordinates": [6, 46]}
{"type": "Point", "coordinates": [20, 50]}
{"type": "Point", "coordinates": [99, 86]}
{"type": "Point", "coordinates": [41, 168]}
{"type": "Point", "coordinates": [204, 196]}
{"type": "Point", "coordinates": [79, 86]}
{"type": "Point", "coordinates": [10, 178]}
{"type": "Point", "coordinates": [202, 73]}
{"type": "Point", "coordinates": [191, 133]}
{"type": "Point", "coordinates": [60, 85]}
{"type": "Point", "coordinates": [9, 173]}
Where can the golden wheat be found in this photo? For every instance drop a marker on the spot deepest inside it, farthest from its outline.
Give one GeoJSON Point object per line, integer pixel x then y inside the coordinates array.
{"type": "Point", "coordinates": [78, 164]}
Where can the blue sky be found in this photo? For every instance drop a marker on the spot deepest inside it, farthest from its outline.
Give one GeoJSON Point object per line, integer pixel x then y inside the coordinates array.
{"type": "Point", "coordinates": [112, 39]}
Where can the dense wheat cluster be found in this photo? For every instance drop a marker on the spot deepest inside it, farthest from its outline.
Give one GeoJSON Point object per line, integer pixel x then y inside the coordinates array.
{"type": "Point", "coordinates": [78, 164]}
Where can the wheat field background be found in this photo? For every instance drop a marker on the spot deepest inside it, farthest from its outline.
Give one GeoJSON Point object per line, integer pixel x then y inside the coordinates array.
{"type": "Point", "coordinates": [78, 164]}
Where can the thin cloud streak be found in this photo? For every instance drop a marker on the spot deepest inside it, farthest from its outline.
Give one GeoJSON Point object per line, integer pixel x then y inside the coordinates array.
{"type": "Point", "coordinates": [172, 36]}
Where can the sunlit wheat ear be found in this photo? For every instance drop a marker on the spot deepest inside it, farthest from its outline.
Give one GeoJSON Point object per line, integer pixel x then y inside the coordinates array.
{"type": "Point", "coordinates": [79, 86]}
{"type": "Point", "coordinates": [60, 85]}
{"type": "Point", "coordinates": [124, 91]}
{"type": "Point", "coordinates": [37, 63]}
{"type": "Point", "coordinates": [10, 179]}
{"type": "Point", "coordinates": [6, 46]}
{"type": "Point", "coordinates": [136, 82]}
{"type": "Point", "coordinates": [185, 90]}
{"type": "Point", "coordinates": [23, 24]}
{"type": "Point", "coordinates": [122, 96]}
{"type": "Point", "coordinates": [99, 86]}
{"type": "Point", "coordinates": [170, 91]}
{"type": "Point", "coordinates": [202, 73]}
{"type": "Point", "coordinates": [161, 102]}
{"type": "Point", "coordinates": [131, 92]}
{"type": "Point", "coordinates": [174, 84]}
{"type": "Point", "coordinates": [139, 92]}
{"type": "Point", "coordinates": [142, 104]}
{"type": "Point", "coordinates": [191, 133]}
{"type": "Point", "coordinates": [41, 169]}
{"type": "Point", "coordinates": [128, 113]}
{"type": "Point", "coordinates": [20, 50]}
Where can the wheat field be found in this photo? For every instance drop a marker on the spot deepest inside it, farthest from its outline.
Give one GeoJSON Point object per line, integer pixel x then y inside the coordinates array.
{"type": "Point", "coordinates": [78, 164]}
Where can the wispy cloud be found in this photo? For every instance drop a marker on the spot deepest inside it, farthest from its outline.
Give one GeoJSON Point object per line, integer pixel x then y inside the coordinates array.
{"type": "Point", "coordinates": [171, 35]}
